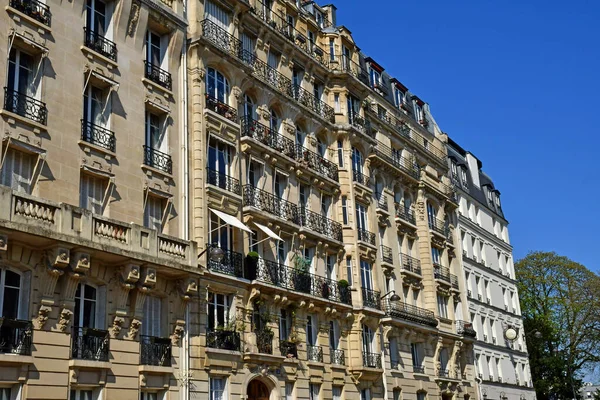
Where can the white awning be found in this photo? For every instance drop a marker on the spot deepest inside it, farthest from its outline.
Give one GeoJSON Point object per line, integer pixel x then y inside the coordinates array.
{"type": "Point", "coordinates": [268, 231]}
{"type": "Point", "coordinates": [231, 220]}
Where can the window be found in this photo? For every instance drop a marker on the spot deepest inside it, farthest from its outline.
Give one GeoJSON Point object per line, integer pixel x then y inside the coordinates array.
{"type": "Point", "coordinates": [497, 198]}
{"type": "Point", "coordinates": [281, 252]}
{"type": "Point", "coordinates": [17, 170]}
{"type": "Point", "coordinates": [248, 108]}
{"type": "Point", "coordinates": [399, 97]}
{"type": "Point", "coordinates": [421, 395]}
{"type": "Point", "coordinates": [10, 288]}
{"type": "Point", "coordinates": [5, 394]}
{"type": "Point", "coordinates": [91, 193]}
{"type": "Point", "coordinates": [463, 175]}
{"type": "Point", "coordinates": [357, 160]}
{"type": "Point", "coordinates": [85, 306]}
{"type": "Point", "coordinates": [442, 306]}
{"type": "Point", "coordinates": [153, 213]}
{"type": "Point", "coordinates": [314, 390]}
{"type": "Point", "coordinates": [311, 330]}
{"type": "Point", "coordinates": [289, 390]}
{"type": "Point", "coordinates": [345, 210]}
{"type": "Point", "coordinates": [218, 15]}
{"type": "Point", "coordinates": [97, 17]}
{"type": "Point", "coordinates": [336, 392]}
{"type": "Point", "coordinates": [331, 50]}
{"type": "Point", "coordinates": [218, 310]}
{"type": "Point", "coordinates": [443, 359]}
{"type": "Point", "coordinates": [435, 255]}
{"type": "Point", "coordinates": [152, 316]}
{"type": "Point", "coordinates": [416, 352]}
{"type": "Point", "coordinates": [218, 388]}
{"type": "Point", "coordinates": [304, 193]}
{"type": "Point", "coordinates": [325, 205]}
{"type": "Point", "coordinates": [361, 217]}
{"type": "Point", "coordinates": [217, 85]}
{"type": "Point", "coordinates": [365, 394]}
{"type": "Point", "coordinates": [311, 41]}
{"type": "Point", "coordinates": [96, 113]}
{"type": "Point", "coordinates": [156, 135]}
{"type": "Point", "coordinates": [486, 285]}
{"type": "Point", "coordinates": [274, 124]}
{"type": "Point", "coordinates": [330, 262]}
{"type": "Point", "coordinates": [23, 80]}
{"type": "Point", "coordinates": [334, 335]}
{"type": "Point", "coordinates": [349, 270]}
{"type": "Point", "coordinates": [353, 108]}
{"type": "Point", "coordinates": [219, 161]}
{"type": "Point", "coordinates": [366, 275]}
{"type": "Point", "coordinates": [418, 112]}
{"type": "Point", "coordinates": [156, 56]}
{"type": "Point", "coordinates": [285, 324]}
{"type": "Point", "coordinates": [220, 233]}
{"type": "Point", "coordinates": [80, 395]}
{"type": "Point", "coordinates": [149, 396]}
{"type": "Point", "coordinates": [431, 215]}
{"type": "Point", "coordinates": [394, 355]}
{"type": "Point", "coordinates": [367, 338]}
{"type": "Point", "coordinates": [396, 394]}
{"type": "Point", "coordinates": [375, 77]}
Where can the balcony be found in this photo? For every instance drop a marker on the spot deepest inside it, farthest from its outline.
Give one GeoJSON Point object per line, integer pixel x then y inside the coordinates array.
{"type": "Point", "coordinates": [408, 312]}
{"type": "Point", "coordinates": [442, 273]}
{"type": "Point", "coordinates": [308, 100]}
{"type": "Point", "coordinates": [338, 356]}
{"type": "Point", "coordinates": [446, 374]}
{"type": "Point", "coordinates": [224, 110]}
{"type": "Point", "coordinates": [393, 158]}
{"type": "Point", "coordinates": [101, 45]}
{"type": "Point", "coordinates": [371, 298]}
{"type": "Point", "coordinates": [366, 236]}
{"type": "Point", "coordinates": [361, 178]}
{"type": "Point", "coordinates": [157, 159]}
{"type": "Point", "coordinates": [33, 9]}
{"type": "Point", "coordinates": [98, 135]}
{"type": "Point", "coordinates": [90, 344]}
{"type": "Point", "coordinates": [437, 225]}
{"type": "Point", "coordinates": [264, 341]}
{"type": "Point", "coordinates": [314, 353]}
{"type": "Point", "coordinates": [352, 68]}
{"type": "Point", "coordinates": [418, 369]}
{"type": "Point", "coordinates": [410, 264]}
{"type": "Point", "coordinates": [16, 336]}
{"type": "Point", "coordinates": [223, 181]}
{"type": "Point", "coordinates": [263, 134]}
{"type": "Point", "coordinates": [387, 255]}
{"type": "Point", "coordinates": [382, 203]}
{"type": "Point", "coordinates": [317, 163]}
{"type": "Point", "coordinates": [223, 339]}
{"type": "Point", "coordinates": [155, 351]}
{"type": "Point", "coordinates": [267, 202]}
{"type": "Point", "coordinates": [296, 280]}
{"type": "Point", "coordinates": [405, 213]}
{"type": "Point", "coordinates": [157, 75]}
{"type": "Point", "coordinates": [25, 106]}
{"type": "Point", "coordinates": [288, 349]}
{"type": "Point", "coordinates": [466, 329]}
{"type": "Point", "coordinates": [371, 360]}
{"type": "Point", "coordinates": [231, 264]}
{"type": "Point", "coordinates": [358, 122]}
{"type": "Point", "coordinates": [320, 224]}
{"type": "Point", "coordinates": [454, 281]}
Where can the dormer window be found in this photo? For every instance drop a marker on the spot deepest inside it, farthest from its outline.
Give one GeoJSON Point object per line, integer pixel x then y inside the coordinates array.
{"type": "Point", "coordinates": [489, 195]}
{"type": "Point", "coordinates": [375, 71]}
{"type": "Point", "coordinates": [463, 176]}
{"type": "Point", "coordinates": [497, 198]}
{"type": "Point", "coordinates": [375, 78]}
{"type": "Point", "coordinates": [400, 92]}
{"type": "Point", "coordinates": [454, 170]}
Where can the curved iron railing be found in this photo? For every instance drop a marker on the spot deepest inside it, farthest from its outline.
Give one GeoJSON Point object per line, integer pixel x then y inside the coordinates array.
{"type": "Point", "coordinates": [98, 135]}
{"type": "Point", "coordinates": [371, 298]}
{"type": "Point", "coordinates": [361, 178]}
{"type": "Point", "coordinates": [402, 163]}
{"type": "Point", "coordinates": [223, 181]}
{"type": "Point", "coordinates": [441, 272]}
{"type": "Point", "coordinates": [157, 75]}
{"type": "Point", "coordinates": [382, 202]}
{"type": "Point", "coordinates": [223, 339]}
{"type": "Point", "coordinates": [231, 264]}
{"type": "Point", "coordinates": [317, 162]}
{"type": "Point", "coordinates": [158, 159]}
{"type": "Point", "coordinates": [405, 213]}
{"type": "Point", "coordinates": [437, 225]}
{"type": "Point", "coordinates": [356, 70]}
{"type": "Point", "coordinates": [465, 328]}
{"type": "Point", "coordinates": [454, 281]}
{"type": "Point", "coordinates": [357, 121]}
{"type": "Point", "coordinates": [271, 204]}
{"type": "Point", "coordinates": [288, 349]}
{"type": "Point", "coordinates": [25, 106]}
{"type": "Point", "coordinates": [366, 236]}
{"type": "Point", "coordinates": [387, 255]}
{"type": "Point", "coordinates": [410, 264]}
{"type": "Point", "coordinates": [16, 336]}
{"type": "Point", "coordinates": [371, 360]}
{"type": "Point", "coordinates": [264, 134]}
{"type": "Point", "coordinates": [100, 44]}
{"type": "Point", "coordinates": [338, 356]}
{"type": "Point", "coordinates": [320, 224]}
{"type": "Point", "coordinates": [314, 353]}
{"type": "Point", "coordinates": [34, 9]}
{"type": "Point", "coordinates": [398, 309]}
{"type": "Point", "coordinates": [155, 351]}
{"type": "Point", "coordinates": [308, 100]}
{"type": "Point", "coordinates": [212, 103]}
{"type": "Point", "coordinates": [90, 344]}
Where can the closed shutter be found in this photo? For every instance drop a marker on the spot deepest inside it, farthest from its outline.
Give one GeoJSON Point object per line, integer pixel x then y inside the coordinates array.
{"type": "Point", "coordinates": [17, 171]}
{"type": "Point", "coordinates": [152, 316]}
{"type": "Point", "coordinates": [153, 213]}
{"type": "Point", "coordinates": [216, 14]}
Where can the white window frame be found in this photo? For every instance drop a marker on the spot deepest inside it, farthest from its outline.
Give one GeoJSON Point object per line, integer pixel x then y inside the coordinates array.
{"type": "Point", "coordinates": [17, 170]}
{"type": "Point", "coordinates": [218, 393]}
{"type": "Point", "coordinates": [366, 274]}
{"type": "Point", "coordinates": [224, 307]}
{"type": "Point", "coordinates": [152, 310]}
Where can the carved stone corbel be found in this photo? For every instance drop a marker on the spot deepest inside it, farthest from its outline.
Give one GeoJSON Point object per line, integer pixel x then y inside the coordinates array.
{"type": "Point", "coordinates": [3, 243]}
{"type": "Point", "coordinates": [178, 332]}
{"type": "Point", "coordinates": [65, 319]}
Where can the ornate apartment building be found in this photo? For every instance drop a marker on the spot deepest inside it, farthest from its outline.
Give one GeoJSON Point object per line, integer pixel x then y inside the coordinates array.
{"type": "Point", "coordinates": [501, 358]}
{"type": "Point", "coordinates": [221, 199]}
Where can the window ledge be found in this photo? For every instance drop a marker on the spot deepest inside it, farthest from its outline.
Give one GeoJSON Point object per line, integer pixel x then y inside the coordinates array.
{"type": "Point", "coordinates": [93, 54]}
{"type": "Point", "coordinates": [12, 118]}
{"type": "Point", "coordinates": [155, 369]}
{"type": "Point", "coordinates": [90, 364]}
{"type": "Point", "coordinates": [222, 351]}
{"type": "Point", "coordinates": [15, 359]}
{"type": "Point", "coordinates": [41, 28]}
{"type": "Point", "coordinates": [108, 155]}
{"type": "Point", "coordinates": [155, 171]}
{"type": "Point", "coordinates": [156, 86]}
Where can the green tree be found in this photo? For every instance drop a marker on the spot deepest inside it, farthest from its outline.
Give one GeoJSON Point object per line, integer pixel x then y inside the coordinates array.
{"type": "Point", "coordinates": [560, 299]}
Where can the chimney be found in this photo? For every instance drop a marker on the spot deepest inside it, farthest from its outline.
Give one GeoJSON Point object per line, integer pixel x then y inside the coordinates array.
{"type": "Point", "coordinates": [330, 9]}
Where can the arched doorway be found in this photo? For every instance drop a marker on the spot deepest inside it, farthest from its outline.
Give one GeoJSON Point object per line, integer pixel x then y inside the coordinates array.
{"type": "Point", "coordinates": [257, 390]}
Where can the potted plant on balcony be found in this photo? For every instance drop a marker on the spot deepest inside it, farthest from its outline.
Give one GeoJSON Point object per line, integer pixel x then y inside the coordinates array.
{"type": "Point", "coordinates": [343, 288]}
{"type": "Point", "coordinates": [251, 265]}
{"type": "Point", "coordinates": [302, 279]}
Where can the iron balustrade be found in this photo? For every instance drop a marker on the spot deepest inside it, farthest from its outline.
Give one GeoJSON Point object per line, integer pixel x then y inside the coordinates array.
{"type": "Point", "coordinates": [418, 369]}
{"type": "Point", "coordinates": [408, 312]}
{"type": "Point", "coordinates": [16, 336]}
{"type": "Point", "coordinates": [25, 106]}
{"type": "Point", "coordinates": [371, 360]}
{"type": "Point", "coordinates": [442, 273]}
{"type": "Point", "coordinates": [361, 178]}
{"type": "Point", "coordinates": [34, 9]}
{"type": "Point", "coordinates": [357, 121]}
{"type": "Point", "coordinates": [314, 353]}
{"type": "Point", "coordinates": [437, 225]}
{"type": "Point", "coordinates": [317, 162]}
{"type": "Point", "coordinates": [223, 339]}
{"type": "Point", "coordinates": [308, 100]}
{"type": "Point", "coordinates": [371, 298]}
{"type": "Point", "coordinates": [98, 135]}
{"type": "Point", "coordinates": [155, 351]}
{"type": "Point", "coordinates": [221, 39]}
{"type": "Point", "coordinates": [231, 264]}
{"type": "Point", "coordinates": [90, 344]}
{"type": "Point", "coordinates": [158, 159]}
{"type": "Point", "coordinates": [410, 264]}
{"type": "Point", "coordinates": [320, 224]}
{"type": "Point", "coordinates": [349, 66]}
{"type": "Point", "coordinates": [402, 163]}
{"type": "Point", "coordinates": [366, 236]}
{"type": "Point", "coordinates": [454, 281]}
{"type": "Point", "coordinates": [97, 42]}
{"type": "Point", "coordinates": [293, 279]}
{"type": "Point", "coordinates": [391, 121]}
{"type": "Point", "coordinates": [446, 373]}
{"type": "Point", "coordinates": [223, 181]}
{"type": "Point", "coordinates": [288, 349]}
{"type": "Point", "coordinates": [157, 75]}
{"type": "Point", "coordinates": [338, 356]}
{"type": "Point", "coordinates": [264, 342]}
{"type": "Point", "coordinates": [213, 104]}
{"type": "Point", "coordinates": [263, 134]}
{"type": "Point", "coordinates": [271, 204]}
{"type": "Point", "coordinates": [382, 203]}
{"type": "Point", "coordinates": [405, 213]}
{"type": "Point", "coordinates": [387, 255]}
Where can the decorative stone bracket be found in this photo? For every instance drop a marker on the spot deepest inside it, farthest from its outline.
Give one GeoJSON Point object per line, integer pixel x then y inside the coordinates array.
{"type": "Point", "coordinates": [178, 332]}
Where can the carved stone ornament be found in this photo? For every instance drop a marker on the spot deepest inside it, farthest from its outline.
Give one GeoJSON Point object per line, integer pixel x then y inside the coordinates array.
{"type": "Point", "coordinates": [134, 16]}
{"type": "Point", "coordinates": [42, 316]}
{"type": "Point", "coordinates": [65, 319]}
{"type": "Point", "coordinates": [178, 332]}
{"type": "Point", "coordinates": [134, 328]}
{"type": "Point", "coordinates": [116, 327]}
{"type": "Point", "coordinates": [3, 243]}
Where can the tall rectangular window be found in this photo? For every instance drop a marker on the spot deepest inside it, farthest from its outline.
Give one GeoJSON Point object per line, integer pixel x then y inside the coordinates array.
{"type": "Point", "coordinates": [415, 350]}
{"type": "Point", "coordinates": [152, 316]}
{"type": "Point", "coordinates": [73, 395]}
{"type": "Point", "coordinates": [349, 269]}
{"type": "Point", "coordinates": [442, 306]}
{"type": "Point", "coordinates": [289, 390]}
{"type": "Point", "coordinates": [336, 102]}
{"type": "Point", "coordinates": [340, 152]}
{"type": "Point", "coordinates": [336, 392]}
{"type": "Point", "coordinates": [91, 193]}
{"type": "Point", "coordinates": [218, 388]}
{"type": "Point", "coordinates": [366, 275]}
{"type": "Point", "coordinates": [345, 210]}
{"type": "Point", "coordinates": [218, 310]}
{"type": "Point", "coordinates": [421, 395]}
{"type": "Point", "coordinates": [153, 213]}
{"type": "Point", "coordinates": [331, 50]}
{"type": "Point", "coordinates": [17, 170]}
{"type": "Point", "coordinates": [365, 394]}
{"type": "Point", "coordinates": [314, 391]}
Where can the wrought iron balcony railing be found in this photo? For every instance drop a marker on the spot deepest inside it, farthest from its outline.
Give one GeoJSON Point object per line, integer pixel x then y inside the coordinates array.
{"type": "Point", "coordinates": [155, 351]}
{"type": "Point", "coordinates": [418, 369]}
{"type": "Point", "coordinates": [263, 134]}
{"type": "Point", "coordinates": [338, 356]}
{"type": "Point", "coordinates": [223, 339]}
{"type": "Point", "coordinates": [320, 224]}
{"type": "Point", "coordinates": [387, 255]}
{"type": "Point", "coordinates": [158, 159]}
{"type": "Point", "coordinates": [157, 75]}
{"type": "Point", "coordinates": [98, 135]}
{"type": "Point", "coordinates": [308, 100]}
{"type": "Point", "coordinates": [25, 106]}
{"type": "Point", "coordinates": [314, 353]}
{"type": "Point", "coordinates": [16, 336]}
{"type": "Point", "coordinates": [405, 213]}
{"type": "Point", "coordinates": [90, 344]}
{"type": "Point", "coordinates": [264, 341]}
{"type": "Point", "coordinates": [34, 9]}
{"type": "Point", "coordinates": [366, 236]}
{"type": "Point", "coordinates": [356, 70]}
{"type": "Point", "coordinates": [213, 104]}
{"type": "Point", "coordinates": [288, 349]}
{"type": "Point", "coordinates": [410, 264]}
{"type": "Point", "coordinates": [371, 360]}
{"type": "Point", "coordinates": [437, 225]}
{"type": "Point", "coordinates": [402, 163]}
{"type": "Point", "coordinates": [100, 44]}
{"type": "Point", "coordinates": [446, 373]}
{"type": "Point", "coordinates": [454, 281]}
{"type": "Point", "coordinates": [281, 275]}
{"type": "Point", "coordinates": [408, 312]}
{"type": "Point", "coordinates": [231, 264]}
{"type": "Point", "coordinates": [357, 121]}
{"type": "Point", "coordinates": [442, 273]}
{"type": "Point", "coordinates": [382, 203]}
{"type": "Point", "coordinates": [371, 298]}
{"type": "Point", "coordinates": [223, 181]}
{"type": "Point", "coordinates": [267, 202]}
{"type": "Point", "coordinates": [316, 162]}
{"type": "Point", "coordinates": [361, 178]}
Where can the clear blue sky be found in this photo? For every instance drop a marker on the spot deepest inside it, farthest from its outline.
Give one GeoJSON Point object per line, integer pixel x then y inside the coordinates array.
{"type": "Point", "coordinates": [516, 83]}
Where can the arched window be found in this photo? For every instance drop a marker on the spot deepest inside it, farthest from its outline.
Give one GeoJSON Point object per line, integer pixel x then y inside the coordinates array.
{"type": "Point", "coordinates": [274, 122]}
{"type": "Point", "coordinates": [249, 109]}
{"type": "Point", "coordinates": [217, 85]}
{"type": "Point", "coordinates": [10, 291]}
{"type": "Point", "coordinates": [85, 306]}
